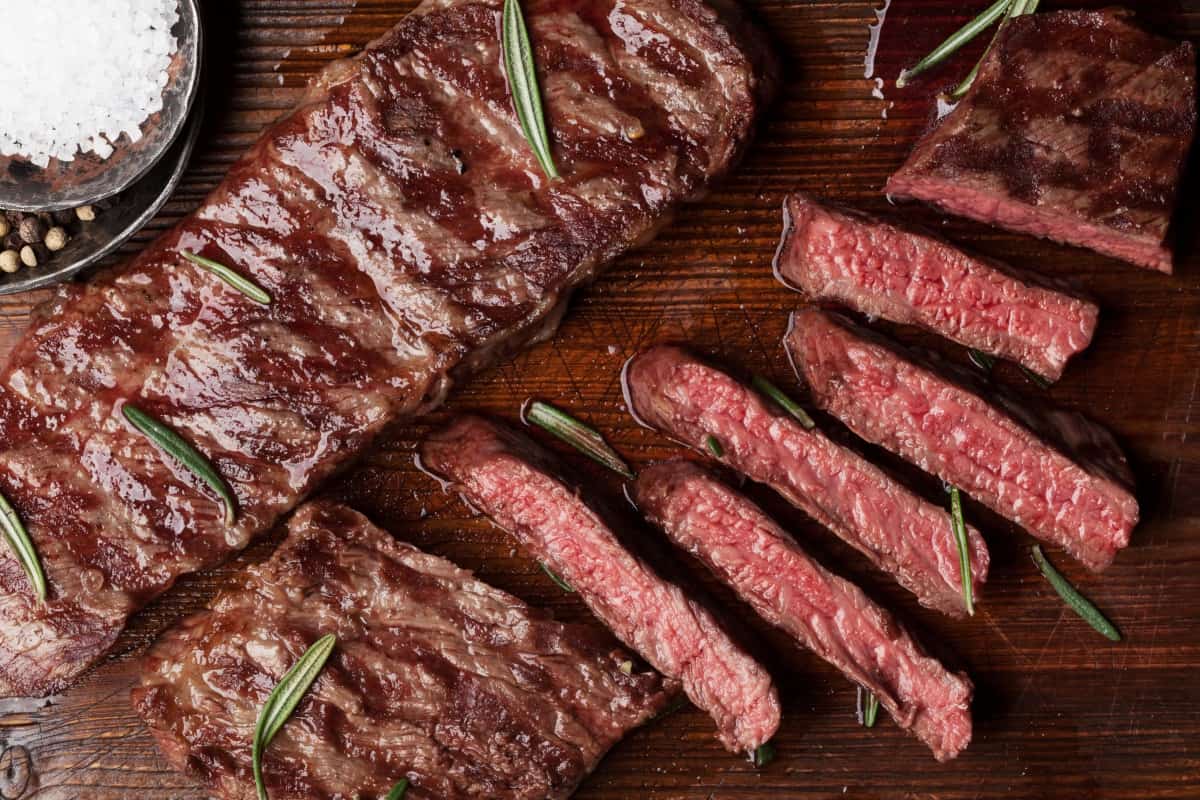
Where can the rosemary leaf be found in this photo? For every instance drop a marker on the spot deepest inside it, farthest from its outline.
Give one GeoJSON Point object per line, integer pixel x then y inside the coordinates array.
{"type": "Point", "coordinates": [522, 82]}
{"type": "Point", "coordinates": [868, 709]}
{"type": "Point", "coordinates": [959, 526]}
{"type": "Point", "coordinates": [1071, 596]}
{"type": "Point", "coordinates": [981, 359]}
{"type": "Point", "coordinates": [714, 446]}
{"type": "Point", "coordinates": [956, 40]}
{"type": "Point", "coordinates": [232, 277]}
{"type": "Point", "coordinates": [566, 587]}
{"type": "Point", "coordinates": [173, 445]}
{"type": "Point", "coordinates": [1016, 9]}
{"type": "Point", "coordinates": [22, 547]}
{"type": "Point", "coordinates": [584, 439]}
{"type": "Point", "coordinates": [786, 403]}
{"type": "Point", "coordinates": [284, 698]}
{"type": "Point", "coordinates": [763, 754]}
{"type": "Point", "coordinates": [1041, 382]}
{"type": "Point", "coordinates": [398, 791]}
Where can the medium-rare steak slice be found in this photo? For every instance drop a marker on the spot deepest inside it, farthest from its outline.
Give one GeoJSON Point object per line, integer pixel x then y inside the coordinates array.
{"type": "Point", "coordinates": [517, 484]}
{"type": "Point", "coordinates": [437, 677]}
{"type": "Point", "coordinates": [902, 534]}
{"type": "Point", "coordinates": [1077, 129]}
{"type": "Point", "coordinates": [827, 614]}
{"type": "Point", "coordinates": [402, 225]}
{"type": "Point", "coordinates": [913, 277]}
{"type": "Point", "coordinates": [1058, 475]}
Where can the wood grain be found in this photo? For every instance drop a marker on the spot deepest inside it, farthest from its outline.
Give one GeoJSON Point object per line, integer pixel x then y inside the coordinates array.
{"type": "Point", "coordinates": [1060, 712]}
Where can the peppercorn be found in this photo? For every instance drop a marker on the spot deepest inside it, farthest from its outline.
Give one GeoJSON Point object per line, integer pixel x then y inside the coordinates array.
{"type": "Point", "coordinates": [63, 217]}
{"type": "Point", "coordinates": [13, 241]}
{"type": "Point", "coordinates": [32, 230]}
{"type": "Point", "coordinates": [4, 226]}
{"type": "Point", "coordinates": [10, 261]}
{"type": "Point", "coordinates": [56, 239]}
{"type": "Point", "coordinates": [29, 256]}
{"type": "Point", "coordinates": [85, 213]}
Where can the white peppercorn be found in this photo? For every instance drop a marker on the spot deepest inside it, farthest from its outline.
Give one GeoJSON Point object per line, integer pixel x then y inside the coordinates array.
{"type": "Point", "coordinates": [4, 226]}
{"type": "Point", "coordinates": [85, 213]}
{"type": "Point", "coordinates": [10, 261]}
{"type": "Point", "coordinates": [29, 256]}
{"type": "Point", "coordinates": [56, 239]}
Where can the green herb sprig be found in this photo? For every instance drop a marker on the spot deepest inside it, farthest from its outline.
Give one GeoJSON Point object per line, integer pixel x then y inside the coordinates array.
{"type": "Point", "coordinates": [789, 405]}
{"type": "Point", "coordinates": [1071, 596]}
{"type": "Point", "coordinates": [566, 587]}
{"type": "Point", "coordinates": [1038, 380]}
{"type": "Point", "coordinates": [763, 754]}
{"type": "Point", "coordinates": [398, 791]}
{"type": "Point", "coordinates": [22, 547]}
{"type": "Point", "coordinates": [174, 445]}
{"type": "Point", "coordinates": [980, 359]}
{"type": "Point", "coordinates": [583, 438]}
{"type": "Point", "coordinates": [284, 698]}
{"type": "Point", "coordinates": [1016, 8]}
{"type": "Point", "coordinates": [523, 83]}
{"type": "Point", "coordinates": [959, 526]}
{"type": "Point", "coordinates": [232, 277]}
{"type": "Point", "coordinates": [868, 709]}
{"type": "Point", "coordinates": [955, 41]}
{"type": "Point", "coordinates": [714, 446]}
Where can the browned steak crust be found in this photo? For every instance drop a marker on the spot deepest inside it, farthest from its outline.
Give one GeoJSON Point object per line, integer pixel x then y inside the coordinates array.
{"type": "Point", "coordinates": [406, 234]}
{"type": "Point", "coordinates": [437, 677]}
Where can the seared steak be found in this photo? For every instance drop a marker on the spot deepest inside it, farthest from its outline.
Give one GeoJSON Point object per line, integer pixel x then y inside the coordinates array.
{"type": "Point", "coordinates": [913, 277]}
{"type": "Point", "coordinates": [401, 224]}
{"type": "Point", "coordinates": [1077, 130]}
{"type": "Point", "coordinates": [826, 614]}
{"type": "Point", "coordinates": [516, 483]}
{"type": "Point", "coordinates": [437, 677]}
{"type": "Point", "coordinates": [902, 534]}
{"type": "Point", "coordinates": [1056, 474]}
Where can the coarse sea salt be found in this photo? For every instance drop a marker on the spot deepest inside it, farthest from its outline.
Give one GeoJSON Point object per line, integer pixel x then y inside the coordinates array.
{"type": "Point", "coordinates": [79, 74]}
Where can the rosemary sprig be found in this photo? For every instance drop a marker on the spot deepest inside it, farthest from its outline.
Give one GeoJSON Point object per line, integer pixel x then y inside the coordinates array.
{"type": "Point", "coordinates": [566, 587]}
{"type": "Point", "coordinates": [232, 277]}
{"type": "Point", "coordinates": [523, 83]}
{"type": "Point", "coordinates": [1038, 380]}
{"type": "Point", "coordinates": [22, 547]}
{"type": "Point", "coordinates": [868, 710]}
{"type": "Point", "coordinates": [783, 401]}
{"type": "Point", "coordinates": [959, 526]}
{"type": "Point", "coordinates": [956, 40]}
{"type": "Point", "coordinates": [284, 698]}
{"type": "Point", "coordinates": [981, 359]}
{"type": "Point", "coordinates": [1016, 8]}
{"type": "Point", "coordinates": [714, 446]}
{"type": "Point", "coordinates": [763, 754]}
{"type": "Point", "coordinates": [584, 439]}
{"type": "Point", "coordinates": [173, 445]}
{"type": "Point", "coordinates": [398, 791]}
{"type": "Point", "coordinates": [1071, 596]}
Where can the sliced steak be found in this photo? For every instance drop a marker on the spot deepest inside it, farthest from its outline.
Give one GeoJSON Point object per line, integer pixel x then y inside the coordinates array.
{"type": "Point", "coordinates": [436, 677]}
{"type": "Point", "coordinates": [913, 277]}
{"type": "Point", "coordinates": [516, 483]}
{"type": "Point", "coordinates": [828, 615]}
{"type": "Point", "coordinates": [901, 533]}
{"type": "Point", "coordinates": [401, 224]}
{"type": "Point", "coordinates": [1076, 130]}
{"type": "Point", "coordinates": [1056, 474]}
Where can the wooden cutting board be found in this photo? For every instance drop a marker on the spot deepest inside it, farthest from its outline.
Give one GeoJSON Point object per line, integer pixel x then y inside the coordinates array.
{"type": "Point", "coordinates": [1060, 712]}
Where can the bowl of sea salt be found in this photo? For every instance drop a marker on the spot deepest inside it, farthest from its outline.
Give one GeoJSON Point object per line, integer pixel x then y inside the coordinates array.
{"type": "Point", "coordinates": [95, 94]}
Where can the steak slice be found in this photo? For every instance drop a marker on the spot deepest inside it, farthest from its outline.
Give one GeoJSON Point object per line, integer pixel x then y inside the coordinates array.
{"type": "Point", "coordinates": [1056, 474]}
{"type": "Point", "coordinates": [827, 614]}
{"type": "Point", "coordinates": [509, 478]}
{"type": "Point", "coordinates": [1077, 129]}
{"type": "Point", "coordinates": [400, 222]}
{"type": "Point", "coordinates": [913, 277]}
{"type": "Point", "coordinates": [902, 534]}
{"type": "Point", "coordinates": [437, 677]}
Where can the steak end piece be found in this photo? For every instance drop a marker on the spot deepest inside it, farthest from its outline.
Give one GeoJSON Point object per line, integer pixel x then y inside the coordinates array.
{"type": "Point", "coordinates": [408, 238]}
{"type": "Point", "coordinates": [436, 677]}
{"type": "Point", "coordinates": [904, 535]}
{"type": "Point", "coordinates": [910, 276]}
{"type": "Point", "coordinates": [1056, 474]}
{"type": "Point", "coordinates": [827, 614]}
{"type": "Point", "coordinates": [1077, 129]}
{"type": "Point", "coordinates": [515, 482]}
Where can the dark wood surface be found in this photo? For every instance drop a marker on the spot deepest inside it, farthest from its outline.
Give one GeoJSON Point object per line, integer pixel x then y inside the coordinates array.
{"type": "Point", "coordinates": [1060, 712]}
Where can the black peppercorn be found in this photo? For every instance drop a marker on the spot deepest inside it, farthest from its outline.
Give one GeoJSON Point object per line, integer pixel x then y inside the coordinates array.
{"type": "Point", "coordinates": [63, 217]}
{"type": "Point", "coordinates": [32, 230]}
{"type": "Point", "coordinates": [13, 241]}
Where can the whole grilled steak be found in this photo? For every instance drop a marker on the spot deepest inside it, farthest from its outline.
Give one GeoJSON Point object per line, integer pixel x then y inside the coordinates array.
{"type": "Point", "coordinates": [909, 276]}
{"type": "Point", "coordinates": [1077, 130]}
{"type": "Point", "coordinates": [828, 615]}
{"type": "Point", "coordinates": [402, 226]}
{"type": "Point", "coordinates": [901, 533]}
{"type": "Point", "coordinates": [1056, 474]}
{"type": "Point", "coordinates": [437, 677]}
{"type": "Point", "coordinates": [516, 483]}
